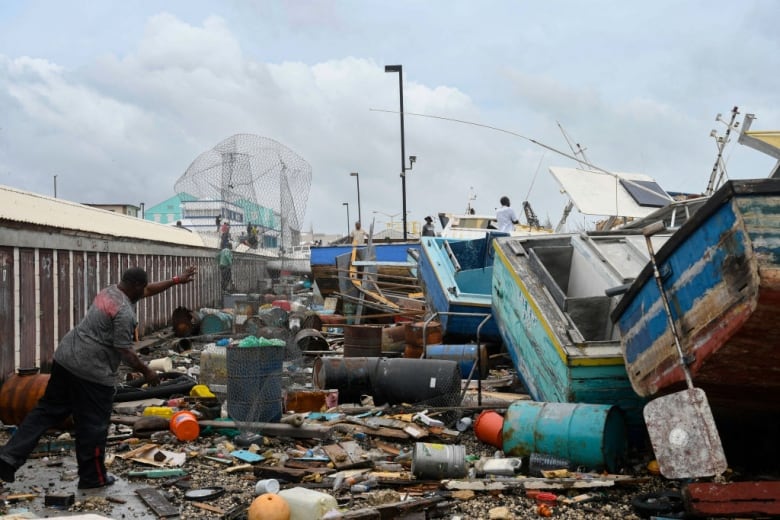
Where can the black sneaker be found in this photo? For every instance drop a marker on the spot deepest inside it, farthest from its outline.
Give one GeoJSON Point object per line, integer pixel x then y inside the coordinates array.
{"type": "Point", "coordinates": [6, 472]}
{"type": "Point", "coordinates": [110, 479]}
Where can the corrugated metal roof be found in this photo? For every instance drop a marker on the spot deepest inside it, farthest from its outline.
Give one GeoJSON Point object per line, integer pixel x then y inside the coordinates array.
{"type": "Point", "coordinates": [32, 208]}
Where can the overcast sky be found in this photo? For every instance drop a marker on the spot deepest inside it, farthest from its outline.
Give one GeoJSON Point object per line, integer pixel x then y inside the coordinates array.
{"type": "Point", "coordinates": [117, 98]}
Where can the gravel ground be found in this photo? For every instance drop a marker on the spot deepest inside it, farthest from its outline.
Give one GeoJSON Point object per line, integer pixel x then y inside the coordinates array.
{"type": "Point", "coordinates": [514, 503]}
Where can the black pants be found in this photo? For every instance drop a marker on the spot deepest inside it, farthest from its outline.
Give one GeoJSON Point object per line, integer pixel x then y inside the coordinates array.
{"type": "Point", "coordinates": [226, 273]}
{"type": "Point", "coordinates": [90, 405]}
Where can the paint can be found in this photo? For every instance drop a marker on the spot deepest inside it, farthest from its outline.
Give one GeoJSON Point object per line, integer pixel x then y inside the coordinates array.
{"type": "Point", "coordinates": [438, 461]}
{"type": "Point", "coordinates": [587, 435]}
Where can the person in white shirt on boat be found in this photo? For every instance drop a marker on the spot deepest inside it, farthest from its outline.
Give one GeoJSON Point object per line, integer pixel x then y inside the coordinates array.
{"type": "Point", "coordinates": [428, 230]}
{"type": "Point", "coordinates": [506, 218]}
{"type": "Point", "coordinates": [358, 234]}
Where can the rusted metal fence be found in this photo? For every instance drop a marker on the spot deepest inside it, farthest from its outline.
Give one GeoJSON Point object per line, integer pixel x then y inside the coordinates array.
{"type": "Point", "coordinates": [49, 279]}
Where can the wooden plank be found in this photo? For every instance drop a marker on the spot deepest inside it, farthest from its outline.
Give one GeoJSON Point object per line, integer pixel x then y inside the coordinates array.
{"type": "Point", "coordinates": [757, 498]}
{"type": "Point", "coordinates": [345, 455]}
{"type": "Point", "coordinates": [157, 502]}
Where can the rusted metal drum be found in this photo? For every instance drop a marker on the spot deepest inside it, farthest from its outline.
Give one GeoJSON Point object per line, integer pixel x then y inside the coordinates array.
{"type": "Point", "coordinates": [393, 338]}
{"type": "Point", "coordinates": [415, 337]}
{"type": "Point", "coordinates": [351, 376]}
{"type": "Point", "coordinates": [20, 394]}
{"type": "Point", "coordinates": [273, 316]}
{"type": "Point", "coordinates": [310, 339]}
{"type": "Point", "coordinates": [413, 351]}
{"type": "Point", "coordinates": [250, 325]}
{"type": "Point", "coordinates": [362, 340]}
{"type": "Point", "coordinates": [591, 435]}
{"type": "Point", "coordinates": [185, 322]}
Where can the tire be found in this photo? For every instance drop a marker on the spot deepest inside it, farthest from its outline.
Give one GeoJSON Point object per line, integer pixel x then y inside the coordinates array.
{"type": "Point", "coordinates": [171, 383]}
{"type": "Point", "coordinates": [668, 503]}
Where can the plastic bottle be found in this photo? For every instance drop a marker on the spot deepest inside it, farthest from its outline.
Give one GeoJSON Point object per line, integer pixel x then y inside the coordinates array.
{"type": "Point", "coordinates": [307, 504]}
{"type": "Point", "coordinates": [504, 467]}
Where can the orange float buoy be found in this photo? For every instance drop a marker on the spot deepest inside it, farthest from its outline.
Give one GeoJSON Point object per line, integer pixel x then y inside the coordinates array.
{"type": "Point", "coordinates": [269, 506]}
{"type": "Point", "coordinates": [489, 428]}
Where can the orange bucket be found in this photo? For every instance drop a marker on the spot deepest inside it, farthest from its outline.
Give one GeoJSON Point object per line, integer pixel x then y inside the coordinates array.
{"type": "Point", "coordinates": [488, 428]}
{"type": "Point", "coordinates": [184, 426]}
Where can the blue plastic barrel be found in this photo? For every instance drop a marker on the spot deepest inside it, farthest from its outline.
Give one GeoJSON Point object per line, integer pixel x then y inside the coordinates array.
{"type": "Point", "coordinates": [216, 323]}
{"type": "Point", "coordinates": [464, 355]}
{"type": "Point", "coordinates": [590, 435]}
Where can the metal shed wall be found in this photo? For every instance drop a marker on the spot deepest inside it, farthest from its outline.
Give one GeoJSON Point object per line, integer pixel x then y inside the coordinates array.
{"type": "Point", "coordinates": [49, 277]}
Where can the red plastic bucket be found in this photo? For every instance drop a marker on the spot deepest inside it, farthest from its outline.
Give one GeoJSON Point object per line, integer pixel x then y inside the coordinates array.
{"type": "Point", "coordinates": [185, 426]}
{"type": "Point", "coordinates": [488, 428]}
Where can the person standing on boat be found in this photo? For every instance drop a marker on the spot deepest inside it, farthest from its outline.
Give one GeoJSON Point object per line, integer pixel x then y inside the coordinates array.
{"type": "Point", "coordinates": [428, 229]}
{"type": "Point", "coordinates": [83, 376]}
{"type": "Point", "coordinates": [506, 217]}
{"type": "Point", "coordinates": [358, 234]}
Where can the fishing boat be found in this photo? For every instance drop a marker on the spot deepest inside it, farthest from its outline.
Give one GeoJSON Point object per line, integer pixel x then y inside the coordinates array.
{"type": "Point", "coordinates": [391, 259]}
{"type": "Point", "coordinates": [721, 274]}
{"type": "Point", "coordinates": [552, 297]}
{"type": "Point", "coordinates": [456, 275]}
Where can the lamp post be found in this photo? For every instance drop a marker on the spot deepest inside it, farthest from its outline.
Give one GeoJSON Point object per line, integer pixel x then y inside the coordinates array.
{"type": "Point", "coordinates": [347, 205]}
{"type": "Point", "coordinates": [356, 175]}
{"type": "Point", "coordinates": [399, 70]}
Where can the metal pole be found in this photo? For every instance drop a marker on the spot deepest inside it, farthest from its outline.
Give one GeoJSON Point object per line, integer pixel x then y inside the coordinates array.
{"type": "Point", "coordinates": [356, 175]}
{"type": "Point", "coordinates": [399, 70]}
{"type": "Point", "coordinates": [55, 186]}
{"type": "Point", "coordinates": [347, 205]}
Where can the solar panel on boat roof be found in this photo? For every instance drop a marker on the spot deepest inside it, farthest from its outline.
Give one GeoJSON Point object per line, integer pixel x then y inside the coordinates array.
{"type": "Point", "coordinates": [646, 193]}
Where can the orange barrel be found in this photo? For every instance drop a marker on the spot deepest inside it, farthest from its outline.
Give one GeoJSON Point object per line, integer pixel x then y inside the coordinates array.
{"type": "Point", "coordinates": [184, 426]}
{"type": "Point", "coordinates": [413, 351]}
{"type": "Point", "coordinates": [20, 394]}
{"type": "Point", "coordinates": [414, 333]}
{"type": "Point", "coordinates": [362, 340]}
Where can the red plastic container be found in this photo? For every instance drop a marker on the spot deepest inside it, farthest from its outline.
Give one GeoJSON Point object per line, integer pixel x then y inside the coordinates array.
{"type": "Point", "coordinates": [489, 427]}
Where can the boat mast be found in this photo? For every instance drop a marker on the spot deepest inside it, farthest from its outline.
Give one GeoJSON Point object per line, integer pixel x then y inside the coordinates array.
{"type": "Point", "coordinates": [579, 152]}
{"type": "Point", "coordinates": [719, 169]}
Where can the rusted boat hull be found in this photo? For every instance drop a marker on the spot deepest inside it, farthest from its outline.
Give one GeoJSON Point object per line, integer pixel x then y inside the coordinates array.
{"type": "Point", "coordinates": [721, 273]}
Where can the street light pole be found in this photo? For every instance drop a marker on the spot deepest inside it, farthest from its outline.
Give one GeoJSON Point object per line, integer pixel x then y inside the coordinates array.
{"type": "Point", "coordinates": [399, 70]}
{"type": "Point", "coordinates": [356, 175]}
{"type": "Point", "coordinates": [347, 205]}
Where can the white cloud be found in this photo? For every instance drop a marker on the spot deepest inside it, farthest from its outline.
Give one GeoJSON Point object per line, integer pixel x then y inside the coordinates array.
{"type": "Point", "coordinates": [638, 90]}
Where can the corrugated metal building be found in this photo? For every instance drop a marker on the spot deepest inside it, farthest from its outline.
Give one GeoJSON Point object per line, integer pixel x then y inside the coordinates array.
{"type": "Point", "coordinates": [56, 255]}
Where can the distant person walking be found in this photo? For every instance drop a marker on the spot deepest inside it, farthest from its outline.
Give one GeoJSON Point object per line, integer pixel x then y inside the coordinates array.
{"type": "Point", "coordinates": [358, 234]}
{"type": "Point", "coordinates": [506, 217]}
{"type": "Point", "coordinates": [83, 376]}
{"type": "Point", "coordinates": [428, 229]}
{"type": "Point", "coordinates": [224, 231]}
{"type": "Point", "coordinates": [225, 262]}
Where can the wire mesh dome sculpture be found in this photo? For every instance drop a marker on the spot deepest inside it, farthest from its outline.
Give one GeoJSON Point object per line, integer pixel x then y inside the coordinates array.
{"type": "Point", "coordinates": [248, 179]}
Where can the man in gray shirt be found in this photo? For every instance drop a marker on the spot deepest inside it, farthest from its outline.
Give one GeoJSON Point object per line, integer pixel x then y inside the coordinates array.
{"type": "Point", "coordinates": [83, 376]}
